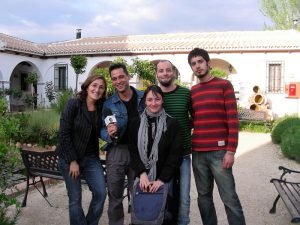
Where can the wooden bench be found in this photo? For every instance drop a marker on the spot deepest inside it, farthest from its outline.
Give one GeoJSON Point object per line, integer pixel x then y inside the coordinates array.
{"type": "Point", "coordinates": [249, 115]}
{"type": "Point", "coordinates": [39, 164]}
{"type": "Point", "coordinates": [289, 192]}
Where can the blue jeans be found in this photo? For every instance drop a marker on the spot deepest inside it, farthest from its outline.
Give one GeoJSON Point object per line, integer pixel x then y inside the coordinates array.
{"type": "Point", "coordinates": [207, 167]}
{"type": "Point", "coordinates": [184, 194]}
{"type": "Point", "coordinates": [91, 170]}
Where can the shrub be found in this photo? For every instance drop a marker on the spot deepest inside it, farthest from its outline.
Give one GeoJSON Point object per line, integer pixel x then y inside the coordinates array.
{"type": "Point", "coordinates": [10, 128]}
{"type": "Point", "coordinates": [5, 202]}
{"type": "Point", "coordinates": [42, 128]}
{"type": "Point", "coordinates": [281, 125]}
{"type": "Point", "coordinates": [29, 100]}
{"type": "Point", "coordinates": [218, 73]}
{"type": "Point", "coordinates": [22, 120]}
{"type": "Point", "coordinates": [3, 106]}
{"type": "Point", "coordinates": [49, 91]}
{"type": "Point", "coordinates": [9, 160]}
{"type": "Point", "coordinates": [61, 100]}
{"type": "Point", "coordinates": [290, 143]}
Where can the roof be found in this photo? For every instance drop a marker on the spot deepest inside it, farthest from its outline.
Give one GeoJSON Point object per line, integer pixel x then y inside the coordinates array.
{"type": "Point", "coordinates": [231, 41]}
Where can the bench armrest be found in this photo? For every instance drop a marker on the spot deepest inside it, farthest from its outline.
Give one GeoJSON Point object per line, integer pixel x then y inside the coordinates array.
{"type": "Point", "coordinates": [286, 171]}
{"type": "Point", "coordinates": [283, 181]}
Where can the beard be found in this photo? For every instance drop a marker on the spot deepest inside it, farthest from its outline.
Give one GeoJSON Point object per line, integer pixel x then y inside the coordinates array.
{"type": "Point", "coordinates": [202, 75]}
{"type": "Point", "coordinates": [166, 83]}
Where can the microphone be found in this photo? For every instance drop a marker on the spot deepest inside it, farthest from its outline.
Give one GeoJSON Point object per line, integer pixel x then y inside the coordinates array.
{"type": "Point", "coordinates": [110, 118]}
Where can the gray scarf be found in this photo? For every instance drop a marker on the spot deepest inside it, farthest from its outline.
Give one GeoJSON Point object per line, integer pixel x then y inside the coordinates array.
{"type": "Point", "coordinates": [161, 123]}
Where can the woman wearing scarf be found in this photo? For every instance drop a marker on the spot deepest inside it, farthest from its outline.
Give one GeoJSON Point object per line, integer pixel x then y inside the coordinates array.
{"type": "Point", "coordinates": [155, 145]}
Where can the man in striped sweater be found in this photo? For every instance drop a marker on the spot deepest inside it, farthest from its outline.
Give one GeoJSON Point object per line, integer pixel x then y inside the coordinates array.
{"type": "Point", "coordinates": [177, 103]}
{"type": "Point", "coordinates": [214, 140]}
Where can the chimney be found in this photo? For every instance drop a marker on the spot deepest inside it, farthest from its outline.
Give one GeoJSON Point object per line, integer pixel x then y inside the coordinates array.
{"type": "Point", "coordinates": [78, 33]}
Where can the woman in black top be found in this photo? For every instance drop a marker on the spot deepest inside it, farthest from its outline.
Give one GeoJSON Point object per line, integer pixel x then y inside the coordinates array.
{"type": "Point", "coordinates": [78, 150]}
{"type": "Point", "coordinates": [155, 143]}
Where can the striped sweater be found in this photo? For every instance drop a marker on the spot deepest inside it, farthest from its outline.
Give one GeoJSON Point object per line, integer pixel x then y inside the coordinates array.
{"type": "Point", "coordinates": [215, 116]}
{"type": "Point", "coordinates": [177, 104]}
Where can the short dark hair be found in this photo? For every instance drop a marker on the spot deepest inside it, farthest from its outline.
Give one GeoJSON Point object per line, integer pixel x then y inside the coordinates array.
{"type": "Point", "coordinates": [198, 52]}
{"type": "Point", "coordinates": [118, 66]}
{"type": "Point", "coordinates": [155, 89]}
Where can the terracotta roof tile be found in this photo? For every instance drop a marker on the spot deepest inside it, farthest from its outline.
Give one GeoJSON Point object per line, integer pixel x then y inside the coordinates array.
{"type": "Point", "coordinates": [159, 43]}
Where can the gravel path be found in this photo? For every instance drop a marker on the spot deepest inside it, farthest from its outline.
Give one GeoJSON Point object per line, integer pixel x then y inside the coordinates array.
{"type": "Point", "coordinates": [257, 161]}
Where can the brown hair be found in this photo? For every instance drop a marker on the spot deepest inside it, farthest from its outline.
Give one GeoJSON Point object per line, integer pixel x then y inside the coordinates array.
{"type": "Point", "coordinates": [83, 93]}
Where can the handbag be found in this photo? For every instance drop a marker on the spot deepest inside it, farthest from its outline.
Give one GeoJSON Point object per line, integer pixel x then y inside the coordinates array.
{"type": "Point", "coordinates": [148, 208]}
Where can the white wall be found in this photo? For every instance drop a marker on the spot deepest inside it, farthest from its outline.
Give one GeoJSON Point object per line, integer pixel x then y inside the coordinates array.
{"type": "Point", "coordinates": [251, 70]}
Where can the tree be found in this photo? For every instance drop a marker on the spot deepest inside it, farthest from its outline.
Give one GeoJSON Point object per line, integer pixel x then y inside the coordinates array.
{"type": "Point", "coordinates": [281, 12]}
{"type": "Point", "coordinates": [218, 73]}
{"type": "Point", "coordinates": [144, 69]}
{"type": "Point", "coordinates": [32, 79]}
{"type": "Point", "coordinates": [78, 62]}
{"type": "Point", "coordinates": [49, 91]}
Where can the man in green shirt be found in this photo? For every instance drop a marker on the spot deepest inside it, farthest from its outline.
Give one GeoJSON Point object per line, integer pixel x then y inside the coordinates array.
{"type": "Point", "coordinates": [177, 103]}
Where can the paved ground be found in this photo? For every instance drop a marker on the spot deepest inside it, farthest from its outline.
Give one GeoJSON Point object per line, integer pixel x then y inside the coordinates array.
{"type": "Point", "coordinates": [256, 163]}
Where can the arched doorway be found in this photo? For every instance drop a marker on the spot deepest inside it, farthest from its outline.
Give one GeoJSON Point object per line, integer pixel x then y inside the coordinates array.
{"type": "Point", "coordinates": [23, 86]}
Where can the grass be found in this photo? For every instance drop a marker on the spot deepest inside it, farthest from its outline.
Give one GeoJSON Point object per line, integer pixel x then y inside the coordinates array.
{"type": "Point", "coordinates": [255, 127]}
{"type": "Point", "coordinates": [42, 127]}
{"type": "Point", "coordinates": [49, 119]}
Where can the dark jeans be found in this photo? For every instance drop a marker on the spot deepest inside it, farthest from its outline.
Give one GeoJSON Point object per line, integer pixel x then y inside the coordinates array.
{"type": "Point", "coordinates": [91, 169]}
{"type": "Point", "coordinates": [207, 167]}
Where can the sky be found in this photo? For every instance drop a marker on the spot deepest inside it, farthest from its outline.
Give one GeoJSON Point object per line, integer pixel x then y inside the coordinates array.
{"type": "Point", "coordinates": [44, 21]}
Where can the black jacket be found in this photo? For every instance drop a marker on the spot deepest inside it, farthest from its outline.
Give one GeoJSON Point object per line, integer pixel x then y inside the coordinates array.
{"type": "Point", "coordinates": [75, 129]}
{"type": "Point", "coordinates": [169, 150]}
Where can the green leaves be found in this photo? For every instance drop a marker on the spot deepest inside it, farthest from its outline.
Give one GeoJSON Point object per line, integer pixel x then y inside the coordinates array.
{"type": "Point", "coordinates": [144, 69]}
{"type": "Point", "coordinates": [218, 73]}
{"type": "Point", "coordinates": [49, 91]}
{"type": "Point", "coordinates": [32, 78]}
{"type": "Point", "coordinates": [3, 106]}
{"type": "Point", "coordinates": [78, 62]}
{"type": "Point", "coordinates": [290, 142]}
{"type": "Point", "coordinates": [281, 12]}
{"type": "Point", "coordinates": [9, 127]}
{"type": "Point", "coordinates": [282, 125]}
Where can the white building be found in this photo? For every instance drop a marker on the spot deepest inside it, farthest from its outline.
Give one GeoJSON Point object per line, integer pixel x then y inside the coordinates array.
{"type": "Point", "coordinates": [265, 59]}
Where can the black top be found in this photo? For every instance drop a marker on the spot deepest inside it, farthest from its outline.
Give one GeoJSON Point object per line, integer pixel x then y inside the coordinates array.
{"type": "Point", "coordinates": [132, 112]}
{"type": "Point", "coordinates": [76, 128]}
{"type": "Point", "coordinates": [93, 146]}
{"type": "Point", "coordinates": [169, 150]}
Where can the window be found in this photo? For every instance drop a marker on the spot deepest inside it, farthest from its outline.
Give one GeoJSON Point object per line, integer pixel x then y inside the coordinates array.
{"type": "Point", "coordinates": [60, 77]}
{"type": "Point", "coordinates": [275, 77]}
